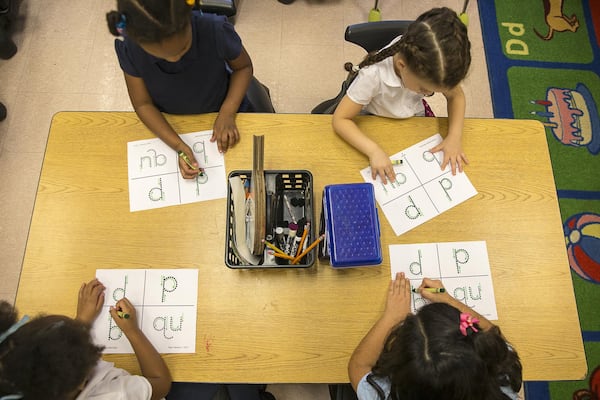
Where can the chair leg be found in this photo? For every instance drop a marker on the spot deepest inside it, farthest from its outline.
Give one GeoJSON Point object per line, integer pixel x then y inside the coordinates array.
{"type": "Point", "coordinates": [2, 112]}
{"type": "Point", "coordinates": [7, 47]}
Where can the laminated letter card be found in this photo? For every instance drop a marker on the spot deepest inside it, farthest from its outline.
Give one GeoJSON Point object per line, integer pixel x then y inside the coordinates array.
{"type": "Point", "coordinates": [165, 301]}
{"type": "Point", "coordinates": [422, 190]}
{"type": "Point", "coordinates": [463, 268]}
{"type": "Point", "coordinates": [155, 180]}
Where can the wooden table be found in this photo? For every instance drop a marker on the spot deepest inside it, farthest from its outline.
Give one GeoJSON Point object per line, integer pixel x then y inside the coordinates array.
{"type": "Point", "coordinates": [281, 326]}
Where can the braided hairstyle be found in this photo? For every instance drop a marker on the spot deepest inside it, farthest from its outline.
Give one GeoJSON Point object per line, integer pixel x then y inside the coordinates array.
{"type": "Point", "coordinates": [149, 21]}
{"type": "Point", "coordinates": [427, 357]}
{"type": "Point", "coordinates": [49, 357]}
{"type": "Point", "coordinates": [435, 47]}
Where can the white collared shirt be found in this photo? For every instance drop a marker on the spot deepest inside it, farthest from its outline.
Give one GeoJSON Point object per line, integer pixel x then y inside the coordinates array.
{"type": "Point", "coordinates": [381, 91]}
{"type": "Point", "coordinates": [110, 383]}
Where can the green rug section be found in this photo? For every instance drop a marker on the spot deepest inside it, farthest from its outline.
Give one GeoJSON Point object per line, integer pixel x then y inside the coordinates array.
{"type": "Point", "coordinates": [575, 168]}
{"type": "Point", "coordinates": [564, 390]}
{"type": "Point", "coordinates": [518, 22]}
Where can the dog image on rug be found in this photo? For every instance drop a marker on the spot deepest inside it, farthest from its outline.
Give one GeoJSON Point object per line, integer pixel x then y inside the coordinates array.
{"type": "Point", "coordinates": [556, 20]}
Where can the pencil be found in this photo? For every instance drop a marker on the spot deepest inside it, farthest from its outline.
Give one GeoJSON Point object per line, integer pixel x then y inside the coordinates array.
{"type": "Point", "coordinates": [304, 234]}
{"type": "Point", "coordinates": [123, 315]}
{"type": "Point", "coordinates": [309, 248]}
{"type": "Point", "coordinates": [273, 247]}
{"type": "Point", "coordinates": [430, 290]}
{"type": "Point", "coordinates": [282, 255]}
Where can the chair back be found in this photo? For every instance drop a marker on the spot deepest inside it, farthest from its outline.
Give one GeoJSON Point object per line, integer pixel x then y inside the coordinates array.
{"type": "Point", "coordinates": [371, 36]}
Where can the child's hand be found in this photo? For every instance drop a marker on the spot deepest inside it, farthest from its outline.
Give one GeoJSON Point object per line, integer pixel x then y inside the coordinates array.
{"type": "Point", "coordinates": [453, 154]}
{"type": "Point", "coordinates": [127, 320]}
{"type": "Point", "coordinates": [225, 132]}
{"type": "Point", "coordinates": [382, 165]}
{"type": "Point", "coordinates": [186, 171]}
{"type": "Point", "coordinates": [433, 297]}
{"type": "Point", "coordinates": [397, 306]}
{"type": "Point", "coordinates": [90, 301]}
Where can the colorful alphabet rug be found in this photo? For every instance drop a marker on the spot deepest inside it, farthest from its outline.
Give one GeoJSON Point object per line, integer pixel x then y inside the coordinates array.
{"type": "Point", "coordinates": [544, 60]}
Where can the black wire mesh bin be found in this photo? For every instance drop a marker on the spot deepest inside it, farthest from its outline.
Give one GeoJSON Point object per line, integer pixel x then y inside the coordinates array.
{"type": "Point", "coordinates": [290, 226]}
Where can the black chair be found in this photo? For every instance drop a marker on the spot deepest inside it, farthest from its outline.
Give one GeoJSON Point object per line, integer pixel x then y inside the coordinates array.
{"type": "Point", "coordinates": [220, 7]}
{"type": "Point", "coordinates": [258, 94]}
{"type": "Point", "coordinates": [2, 112]}
{"type": "Point", "coordinates": [259, 97]}
{"type": "Point", "coordinates": [342, 391]}
{"type": "Point", "coordinates": [371, 36]}
{"type": "Point", "coordinates": [8, 14]}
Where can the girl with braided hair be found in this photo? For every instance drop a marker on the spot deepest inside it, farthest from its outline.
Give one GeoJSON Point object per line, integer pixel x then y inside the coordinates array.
{"type": "Point", "coordinates": [444, 351]}
{"type": "Point", "coordinates": [433, 56]}
{"type": "Point", "coordinates": [180, 61]}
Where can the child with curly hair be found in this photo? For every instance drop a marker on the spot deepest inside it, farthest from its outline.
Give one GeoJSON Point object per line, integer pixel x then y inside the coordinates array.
{"type": "Point", "coordinates": [53, 357]}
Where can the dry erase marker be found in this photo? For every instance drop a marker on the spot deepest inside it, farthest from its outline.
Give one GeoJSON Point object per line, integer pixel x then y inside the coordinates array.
{"type": "Point", "coordinates": [397, 162]}
{"type": "Point", "coordinates": [430, 290]}
{"type": "Point", "coordinates": [123, 315]}
{"type": "Point", "coordinates": [188, 162]}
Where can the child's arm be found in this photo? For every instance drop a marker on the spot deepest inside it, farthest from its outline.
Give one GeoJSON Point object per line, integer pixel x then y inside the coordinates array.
{"type": "Point", "coordinates": [367, 352]}
{"type": "Point", "coordinates": [346, 128]}
{"type": "Point", "coordinates": [224, 130]}
{"type": "Point", "coordinates": [452, 146]}
{"type": "Point", "coordinates": [151, 363]}
{"type": "Point", "coordinates": [156, 122]}
{"type": "Point", "coordinates": [445, 297]}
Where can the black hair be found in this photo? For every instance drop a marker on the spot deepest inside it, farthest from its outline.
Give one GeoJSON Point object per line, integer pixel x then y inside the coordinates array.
{"type": "Point", "coordinates": [149, 21]}
{"type": "Point", "coordinates": [47, 358]}
{"type": "Point", "coordinates": [435, 47]}
{"type": "Point", "coordinates": [428, 357]}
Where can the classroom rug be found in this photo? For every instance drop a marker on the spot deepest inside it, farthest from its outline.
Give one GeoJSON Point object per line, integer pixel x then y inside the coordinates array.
{"type": "Point", "coordinates": [543, 60]}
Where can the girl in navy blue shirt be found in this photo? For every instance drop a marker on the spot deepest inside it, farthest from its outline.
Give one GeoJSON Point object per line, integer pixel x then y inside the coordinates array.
{"type": "Point", "coordinates": [181, 62]}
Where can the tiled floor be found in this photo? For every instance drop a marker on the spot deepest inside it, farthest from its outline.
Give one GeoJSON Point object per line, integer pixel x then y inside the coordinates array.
{"type": "Point", "coordinates": [66, 61]}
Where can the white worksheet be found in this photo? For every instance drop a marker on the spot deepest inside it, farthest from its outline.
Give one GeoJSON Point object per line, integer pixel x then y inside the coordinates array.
{"type": "Point", "coordinates": [165, 301]}
{"type": "Point", "coordinates": [421, 190]}
{"type": "Point", "coordinates": [463, 268]}
{"type": "Point", "coordinates": [155, 180]}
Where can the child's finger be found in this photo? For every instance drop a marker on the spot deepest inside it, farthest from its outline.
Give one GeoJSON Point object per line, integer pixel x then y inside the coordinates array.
{"type": "Point", "coordinates": [453, 166]}
{"type": "Point", "coordinates": [391, 174]}
{"type": "Point", "coordinates": [100, 301]}
{"type": "Point", "coordinates": [435, 149]}
{"type": "Point", "coordinates": [82, 290]}
{"type": "Point", "coordinates": [125, 303]}
{"type": "Point", "coordinates": [381, 174]}
{"type": "Point", "coordinates": [234, 137]}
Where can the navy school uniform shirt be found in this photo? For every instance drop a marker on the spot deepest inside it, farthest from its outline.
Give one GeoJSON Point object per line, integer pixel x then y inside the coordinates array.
{"type": "Point", "coordinates": [198, 82]}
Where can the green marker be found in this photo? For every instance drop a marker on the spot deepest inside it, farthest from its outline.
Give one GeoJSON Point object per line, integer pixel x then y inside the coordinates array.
{"type": "Point", "coordinates": [188, 162]}
{"type": "Point", "coordinates": [430, 290]}
{"type": "Point", "coordinates": [397, 162]}
{"type": "Point", "coordinates": [123, 315]}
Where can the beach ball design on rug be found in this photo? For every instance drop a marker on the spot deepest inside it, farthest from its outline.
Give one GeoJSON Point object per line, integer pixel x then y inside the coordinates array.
{"type": "Point", "coordinates": [582, 235]}
{"type": "Point", "coordinates": [594, 390]}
